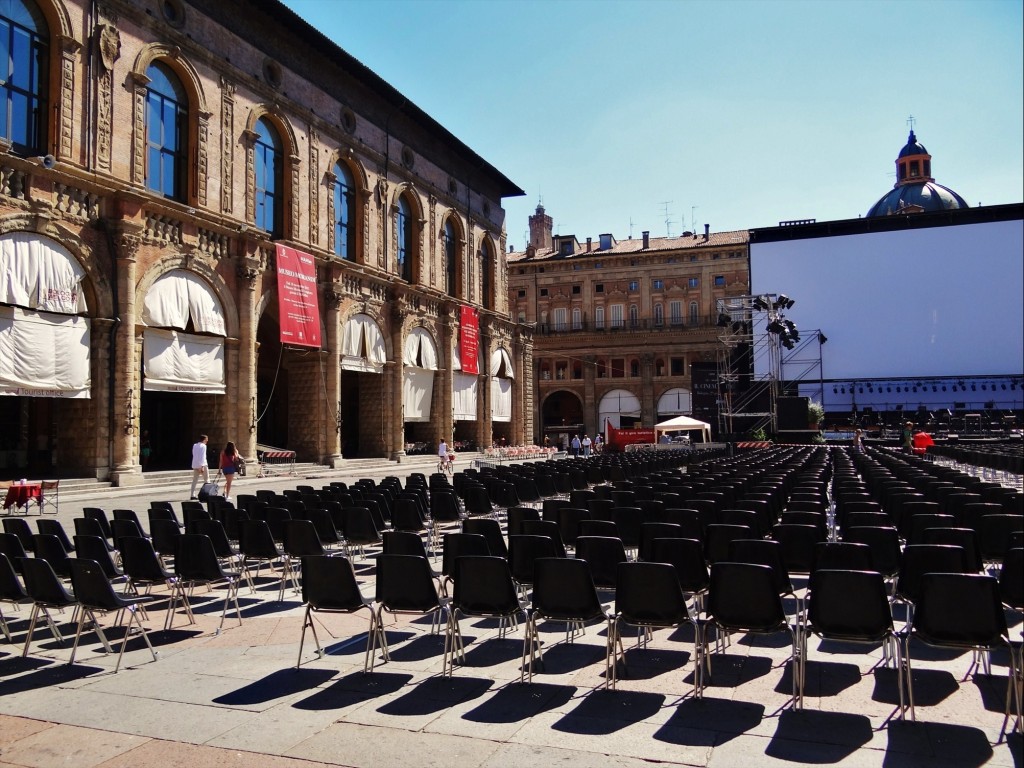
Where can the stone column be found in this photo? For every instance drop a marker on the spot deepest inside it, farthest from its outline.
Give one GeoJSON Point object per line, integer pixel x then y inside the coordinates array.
{"type": "Point", "coordinates": [647, 404]}
{"type": "Point", "coordinates": [484, 425]}
{"type": "Point", "coordinates": [590, 425]}
{"type": "Point", "coordinates": [449, 331]}
{"type": "Point", "coordinates": [332, 374]}
{"type": "Point", "coordinates": [394, 416]}
{"type": "Point", "coordinates": [126, 470]}
{"type": "Point", "coordinates": [244, 414]}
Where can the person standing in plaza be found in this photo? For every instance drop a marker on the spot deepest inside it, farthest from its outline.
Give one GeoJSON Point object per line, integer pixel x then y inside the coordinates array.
{"type": "Point", "coordinates": [907, 436]}
{"type": "Point", "coordinates": [598, 442]}
{"type": "Point", "coordinates": [200, 466]}
{"type": "Point", "coordinates": [229, 465]}
{"type": "Point", "coordinates": [575, 445]}
{"type": "Point", "coordinates": [586, 445]}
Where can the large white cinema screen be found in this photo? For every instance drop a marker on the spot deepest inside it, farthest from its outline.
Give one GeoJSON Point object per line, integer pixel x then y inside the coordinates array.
{"type": "Point", "coordinates": [915, 303]}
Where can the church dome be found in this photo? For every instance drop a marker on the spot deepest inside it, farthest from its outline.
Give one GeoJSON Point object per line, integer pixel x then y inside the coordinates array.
{"type": "Point", "coordinates": [915, 190]}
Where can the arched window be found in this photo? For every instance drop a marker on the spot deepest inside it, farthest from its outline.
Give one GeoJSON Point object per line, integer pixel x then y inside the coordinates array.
{"type": "Point", "coordinates": [659, 314]}
{"type": "Point", "coordinates": [487, 274]}
{"type": "Point", "coordinates": [634, 316]}
{"type": "Point", "coordinates": [694, 313]}
{"type": "Point", "coordinates": [24, 74]}
{"type": "Point", "coordinates": [269, 175]}
{"type": "Point", "coordinates": [451, 257]}
{"type": "Point", "coordinates": [599, 318]}
{"type": "Point", "coordinates": [344, 213]}
{"type": "Point", "coordinates": [166, 132]}
{"type": "Point", "coordinates": [404, 249]}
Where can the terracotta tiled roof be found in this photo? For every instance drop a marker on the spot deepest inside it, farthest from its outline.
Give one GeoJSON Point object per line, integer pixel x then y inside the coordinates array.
{"type": "Point", "coordinates": [740, 237]}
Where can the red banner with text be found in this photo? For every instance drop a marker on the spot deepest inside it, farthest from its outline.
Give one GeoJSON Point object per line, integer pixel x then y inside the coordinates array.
{"type": "Point", "coordinates": [297, 298]}
{"type": "Point", "coordinates": [469, 340]}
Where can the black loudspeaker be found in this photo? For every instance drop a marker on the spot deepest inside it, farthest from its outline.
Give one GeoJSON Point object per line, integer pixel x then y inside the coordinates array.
{"type": "Point", "coordinates": [792, 413]}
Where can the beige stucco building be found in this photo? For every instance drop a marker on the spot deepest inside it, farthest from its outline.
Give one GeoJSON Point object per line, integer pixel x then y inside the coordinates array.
{"type": "Point", "coordinates": [154, 154]}
{"type": "Point", "coordinates": [623, 328]}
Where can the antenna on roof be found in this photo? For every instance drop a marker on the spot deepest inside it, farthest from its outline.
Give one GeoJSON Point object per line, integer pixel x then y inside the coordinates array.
{"type": "Point", "coordinates": [693, 218]}
{"type": "Point", "coordinates": [668, 218]}
{"type": "Point", "coordinates": [630, 227]}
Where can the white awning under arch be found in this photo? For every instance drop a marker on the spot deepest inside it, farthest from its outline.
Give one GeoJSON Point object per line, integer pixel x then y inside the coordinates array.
{"type": "Point", "coordinates": [420, 350]}
{"type": "Point", "coordinates": [178, 295]}
{"type": "Point", "coordinates": [419, 356]}
{"type": "Point", "coordinates": [44, 340]}
{"type": "Point", "coordinates": [465, 386]}
{"type": "Point", "coordinates": [501, 364]}
{"type": "Point", "coordinates": [616, 404]}
{"type": "Point", "coordinates": [39, 273]}
{"type": "Point", "coordinates": [362, 345]}
{"type": "Point", "coordinates": [44, 354]}
{"type": "Point", "coordinates": [175, 361]}
{"type": "Point", "coordinates": [674, 402]}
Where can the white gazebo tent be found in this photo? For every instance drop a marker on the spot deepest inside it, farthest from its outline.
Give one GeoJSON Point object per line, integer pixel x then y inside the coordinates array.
{"type": "Point", "coordinates": [677, 423]}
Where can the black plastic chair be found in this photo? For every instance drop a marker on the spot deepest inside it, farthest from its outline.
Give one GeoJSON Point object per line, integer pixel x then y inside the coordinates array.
{"type": "Point", "coordinates": [405, 585]}
{"type": "Point", "coordinates": [842, 556]}
{"type": "Point", "coordinates": [994, 533]}
{"type": "Point", "coordinates": [361, 530]}
{"type": "Point", "coordinates": [884, 543]}
{"type": "Point", "coordinates": [46, 592]}
{"type": "Point", "coordinates": [743, 597]}
{"type": "Point", "coordinates": [54, 528]}
{"type": "Point", "coordinates": [94, 594]}
{"type": "Point", "coordinates": [851, 606]}
{"type": "Point", "coordinates": [563, 591]}
{"type": "Point", "coordinates": [960, 610]}
{"type": "Point", "coordinates": [546, 528]}
{"type": "Point", "coordinates": [300, 540]}
{"type": "Point", "coordinates": [603, 555]}
{"type": "Point", "coordinates": [123, 528]}
{"type": "Point", "coordinates": [517, 516]}
{"type": "Point", "coordinates": [919, 559]}
{"type": "Point", "coordinates": [490, 529]}
{"type": "Point", "coordinates": [256, 542]}
{"type": "Point", "coordinates": [523, 551]}
{"type": "Point", "coordinates": [483, 588]}
{"type": "Point", "coordinates": [458, 545]}
{"type": "Point", "coordinates": [687, 556]}
{"type": "Point", "coordinates": [651, 531]}
{"type": "Point", "coordinates": [165, 533]}
{"type": "Point", "coordinates": [719, 538]}
{"type": "Point", "coordinates": [329, 586]}
{"type": "Point", "coordinates": [965, 538]}
{"type": "Point", "coordinates": [11, 546]}
{"type": "Point", "coordinates": [87, 526]}
{"type": "Point", "coordinates": [97, 514]}
{"type": "Point", "coordinates": [18, 526]}
{"type": "Point", "coordinates": [648, 596]}
{"type": "Point", "coordinates": [48, 547]}
{"type": "Point", "coordinates": [95, 548]}
{"type": "Point", "coordinates": [144, 568]}
{"type": "Point", "coordinates": [196, 563]}
{"type": "Point", "coordinates": [11, 591]}
{"type": "Point", "coordinates": [798, 542]}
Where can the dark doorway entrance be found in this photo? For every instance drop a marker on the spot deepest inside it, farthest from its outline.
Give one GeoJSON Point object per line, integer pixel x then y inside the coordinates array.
{"type": "Point", "coordinates": [167, 417]}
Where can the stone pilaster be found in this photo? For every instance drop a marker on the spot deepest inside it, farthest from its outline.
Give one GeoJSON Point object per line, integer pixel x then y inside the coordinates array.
{"type": "Point", "coordinates": [449, 338]}
{"type": "Point", "coordinates": [244, 417]}
{"type": "Point", "coordinates": [332, 373]}
{"type": "Point", "coordinates": [484, 426]}
{"type": "Point", "coordinates": [647, 404]}
{"type": "Point", "coordinates": [590, 425]}
{"type": "Point", "coordinates": [126, 470]}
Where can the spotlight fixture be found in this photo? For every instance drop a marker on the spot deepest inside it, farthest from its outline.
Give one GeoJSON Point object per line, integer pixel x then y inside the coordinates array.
{"type": "Point", "coordinates": [761, 303]}
{"type": "Point", "coordinates": [775, 326]}
{"type": "Point", "coordinates": [822, 338]}
{"type": "Point", "coordinates": [835, 390]}
{"type": "Point", "coordinates": [974, 388]}
{"type": "Point", "coordinates": [943, 387]}
{"type": "Point", "coordinates": [843, 390]}
{"type": "Point", "coordinates": [1003, 386]}
{"type": "Point", "coordinates": [737, 326]}
{"type": "Point", "coordinates": [723, 320]}
{"type": "Point", "coordinates": [983, 387]}
{"type": "Point", "coordinates": [784, 302]}
{"type": "Point", "coordinates": [888, 389]}
{"type": "Point", "coordinates": [934, 388]}
{"type": "Point", "coordinates": [915, 389]}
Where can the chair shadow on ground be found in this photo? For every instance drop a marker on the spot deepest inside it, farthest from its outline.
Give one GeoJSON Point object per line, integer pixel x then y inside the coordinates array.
{"type": "Point", "coordinates": [800, 735]}
{"type": "Point", "coordinates": [516, 702]}
{"type": "Point", "coordinates": [420, 648]}
{"type": "Point", "coordinates": [731, 670]}
{"type": "Point", "coordinates": [562, 658]}
{"type": "Point", "coordinates": [436, 694]}
{"type": "Point", "coordinates": [41, 673]}
{"type": "Point", "coordinates": [651, 662]}
{"type": "Point", "coordinates": [602, 712]}
{"type": "Point", "coordinates": [276, 685]}
{"type": "Point", "coordinates": [824, 678]}
{"type": "Point", "coordinates": [709, 721]}
{"type": "Point", "coordinates": [948, 744]}
{"type": "Point", "coordinates": [353, 689]}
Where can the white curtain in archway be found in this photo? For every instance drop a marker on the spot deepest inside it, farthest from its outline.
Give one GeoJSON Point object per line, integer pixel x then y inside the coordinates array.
{"type": "Point", "coordinates": [179, 295]}
{"type": "Point", "coordinates": [464, 387]}
{"type": "Point", "coordinates": [419, 356]}
{"type": "Point", "coordinates": [43, 354]}
{"type": "Point", "coordinates": [173, 360]}
{"type": "Point", "coordinates": [674, 402]}
{"type": "Point", "coordinates": [44, 343]}
{"type": "Point", "coordinates": [362, 345]}
{"type": "Point", "coordinates": [39, 273]}
{"type": "Point", "coordinates": [616, 404]}
{"type": "Point", "coordinates": [501, 385]}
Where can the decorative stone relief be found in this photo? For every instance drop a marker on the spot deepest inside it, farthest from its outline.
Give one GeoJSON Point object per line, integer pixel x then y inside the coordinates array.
{"type": "Point", "coordinates": [66, 118]}
{"type": "Point", "coordinates": [432, 255]}
{"type": "Point", "coordinates": [296, 206]}
{"type": "Point", "coordinates": [139, 117]}
{"type": "Point", "coordinates": [227, 132]}
{"type": "Point", "coordinates": [250, 174]}
{"type": "Point", "coordinates": [203, 157]}
{"type": "Point", "coordinates": [314, 187]}
{"type": "Point", "coordinates": [104, 126]}
{"type": "Point", "coordinates": [109, 45]}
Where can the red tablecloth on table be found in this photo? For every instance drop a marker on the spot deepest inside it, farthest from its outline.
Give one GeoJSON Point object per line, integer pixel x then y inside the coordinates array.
{"type": "Point", "coordinates": [21, 495]}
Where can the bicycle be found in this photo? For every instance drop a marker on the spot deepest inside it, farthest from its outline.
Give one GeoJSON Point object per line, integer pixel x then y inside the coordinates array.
{"type": "Point", "coordinates": [446, 465]}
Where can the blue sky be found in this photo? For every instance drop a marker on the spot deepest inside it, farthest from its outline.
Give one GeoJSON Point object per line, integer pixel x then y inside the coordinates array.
{"type": "Point", "coordinates": [737, 114]}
